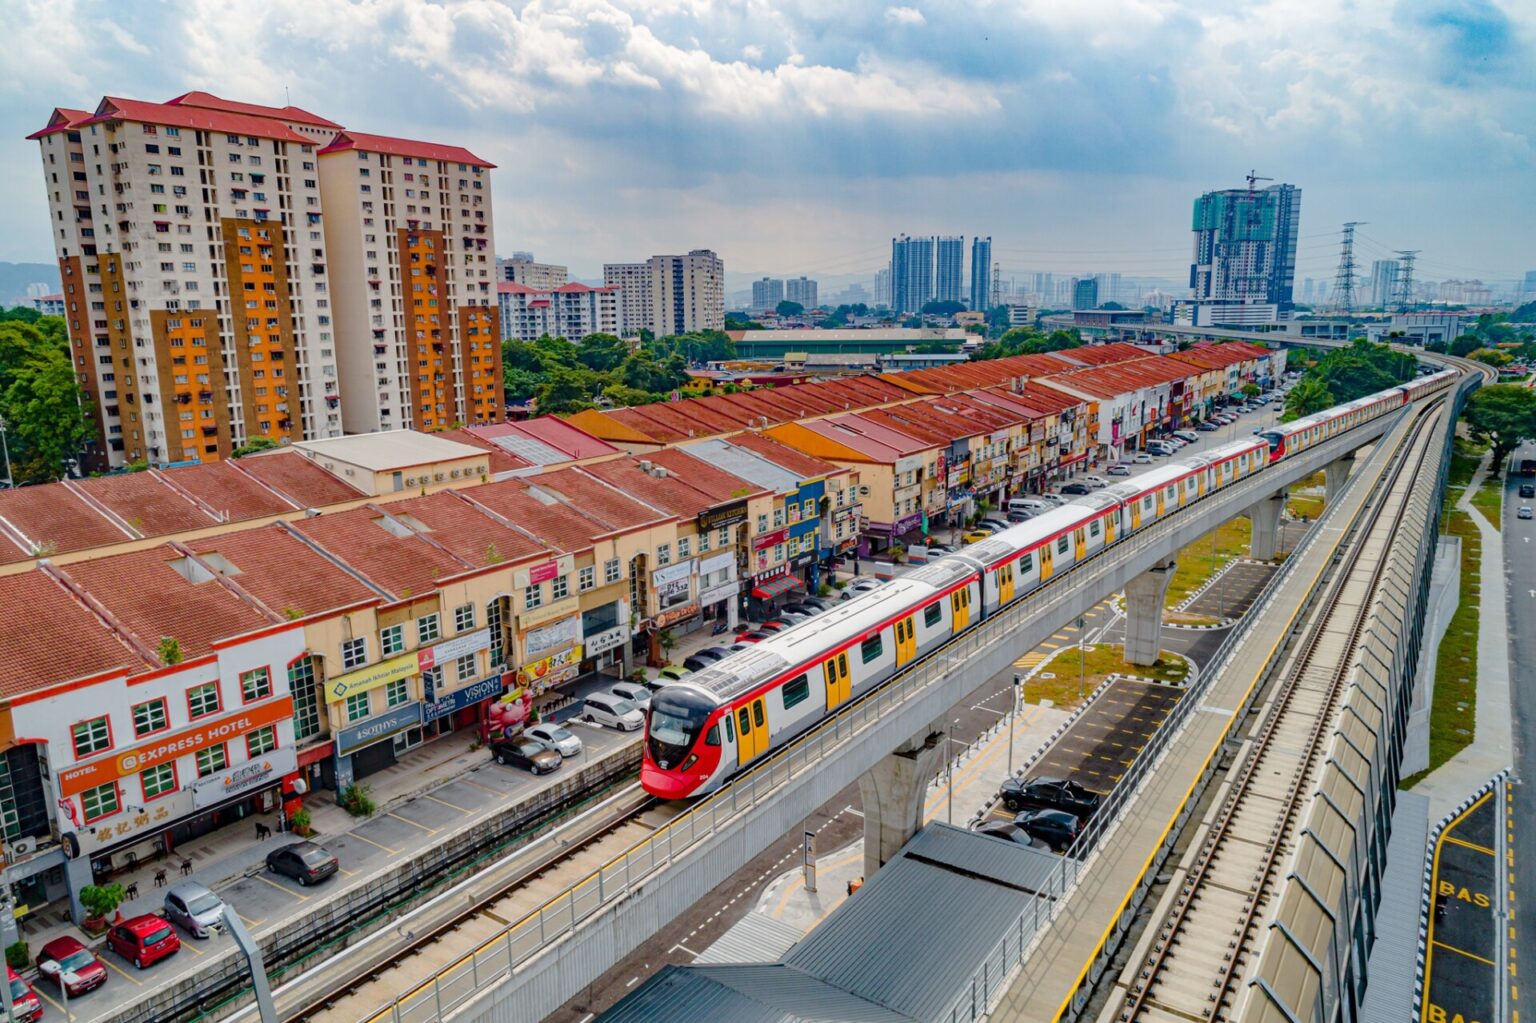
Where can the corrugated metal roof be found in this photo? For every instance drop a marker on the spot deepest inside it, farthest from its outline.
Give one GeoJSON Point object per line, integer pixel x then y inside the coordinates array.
{"type": "Point", "coordinates": [769, 993]}
{"type": "Point", "coordinates": [1389, 998]}
{"type": "Point", "coordinates": [756, 937]}
{"type": "Point", "coordinates": [748, 465]}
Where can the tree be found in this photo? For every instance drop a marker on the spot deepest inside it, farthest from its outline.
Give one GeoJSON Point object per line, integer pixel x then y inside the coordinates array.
{"type": "Point", "coordinates": [1494, 357]}
{"type": "Point", "coordinates": [1504, 415]}
{"type": "Point", "coordinates": [621, 396]}
{"type": "Point", "coordinates": [1437, 347]}
{"type": "Point", "coordinates": [254, 445]}
{"type": "Point", "coordinates": [46, 422]}
{"type": "Point", "coordinates": [948, 307]}
{"type": "Point", "coordinates": [1465, 345]}
{"type": "Point", "coordinates": [602, 352]}
{"type": "Point", "coordinates": [563, 391]}
{"type": "Point", "coordinates": [788, 308]}
{"type": "Point", "coordinates": [1308, 397]}
{"type": "Point", "coordinates": [1251, 390]}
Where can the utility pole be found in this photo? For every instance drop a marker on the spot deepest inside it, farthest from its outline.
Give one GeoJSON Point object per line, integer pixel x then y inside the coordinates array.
{"type": "Point", "coordinates": [10, 480]}
{"type": "Point", "coordinates": [7, 918]}
{"type": "Point", "coordinates": [1344, 280]}
{"type": "Point", "coordinates": [1018, 687]}
{"type": "Point", "coordinates": [1405, 278]}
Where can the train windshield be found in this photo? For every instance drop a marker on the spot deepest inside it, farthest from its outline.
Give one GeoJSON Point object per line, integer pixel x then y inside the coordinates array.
{"type": "Point", "coordinates": [677, 718]}
{"type": "Point", "coordinates": [1274, 441]}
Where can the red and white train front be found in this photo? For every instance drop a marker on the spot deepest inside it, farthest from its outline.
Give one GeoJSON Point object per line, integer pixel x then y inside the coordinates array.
{"type": "Point", "coordinates": [681, 757]}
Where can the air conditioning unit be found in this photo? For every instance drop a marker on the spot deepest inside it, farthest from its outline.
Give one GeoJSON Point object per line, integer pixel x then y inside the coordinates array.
{"type": "Point", "coordinates": [23, 846]}
{"type": "Point", "coordinates": [410, 481]}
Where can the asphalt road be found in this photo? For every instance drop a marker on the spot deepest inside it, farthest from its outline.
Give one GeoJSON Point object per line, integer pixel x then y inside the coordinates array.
{"type": "Point", "coordinates": [1520, 573]}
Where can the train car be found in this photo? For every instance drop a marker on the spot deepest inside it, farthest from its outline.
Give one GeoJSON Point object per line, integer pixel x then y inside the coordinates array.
{"type": "Point", "coordinates": [1023, 557]}
{"type": "Point", "coordinates": [1428, 384]}
{"type": "Point", "coordinates": [1290, 438]}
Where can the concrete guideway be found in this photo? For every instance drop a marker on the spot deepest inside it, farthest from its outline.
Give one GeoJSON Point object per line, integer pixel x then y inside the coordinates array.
{"type": "Point", "coordinates": [1068, 953]}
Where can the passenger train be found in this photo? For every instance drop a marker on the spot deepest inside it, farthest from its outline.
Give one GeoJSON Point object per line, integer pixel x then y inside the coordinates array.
{"type": "Point", "coordinates": [715, 722]}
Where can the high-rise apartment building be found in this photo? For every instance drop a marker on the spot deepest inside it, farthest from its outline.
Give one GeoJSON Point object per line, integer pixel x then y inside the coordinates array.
{"type": "Point", "coordinates": [948, 268]}
{"type": "Point", "coordinates": [1085, 293]}
{"type": "Point", "coordinates": [1384, 282]}
{"type": "Point", "coordinates": [521, 269]}
{"type": "Point", "coordinates": [801, 289]}
{"type": "Point", "coordinates": [981, 273]}
{"type": "Point", "coordinates": [634, 283]}
{"type": "Point", "coordinates": [883, 287]}
{"type": "Point", "coordinates": [571, 311]}
{"type": "Point", "coordinates": [195, 277]}
{"type": "Point", "coordinates": [767, 294]}
{"type": "Point", "coordinates": [911, 273]}
{"type": "Point", "coordinates": [1244, 265]}
{"type": "Point", "coordinates": [226, 269]}
{"type": "Point", "coordinates": [687, 293]}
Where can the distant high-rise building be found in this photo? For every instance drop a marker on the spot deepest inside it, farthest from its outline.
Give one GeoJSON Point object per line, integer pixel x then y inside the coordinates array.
{"type": "Point", "coordinates": [687, 293]}
{"type": "Point", "coordinates": [1244, 265]}
{"type": "Point", "coordinates": [1528, 287]}
{"type": "Point", "coordinates": [767, 294]}
{"type": "Point", "coordinates": [911, 273]}
{"type": "Point", "coordinates": [521, 269]}
{"type": "Point", "coordinates": [802, 290]}
{"type": "Point", "coordinates": [1085, 293]}
{"type": "Point", "coordinates": [883, 287]}
{"type": "Point", "coordinates": [981, 273]}
{"type": "Point", "coordinates": [1043, 285]}
{"type": "Point", "coordinates": [949, 268]}
{"type": "Point", "coordinates": [571, 311]}
{"type": "Point", "coordinates": [1383, 281]}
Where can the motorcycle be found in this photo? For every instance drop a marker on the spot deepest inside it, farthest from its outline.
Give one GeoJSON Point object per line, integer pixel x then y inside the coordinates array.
{"type": "Point", "coordinates": [719, 629]}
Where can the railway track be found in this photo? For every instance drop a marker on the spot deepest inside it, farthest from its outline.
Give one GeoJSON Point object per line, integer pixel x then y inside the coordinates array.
{"type": "Point", "coordinates": [1204, 940]}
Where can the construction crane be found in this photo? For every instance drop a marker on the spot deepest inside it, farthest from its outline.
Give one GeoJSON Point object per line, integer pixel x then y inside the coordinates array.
{"type": "Point", "coordinates": [1253, 178]}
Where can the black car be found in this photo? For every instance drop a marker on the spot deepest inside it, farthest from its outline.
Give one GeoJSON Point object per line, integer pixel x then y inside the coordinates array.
{"type": "Point", "coordinates": [820, 603]}
{"type": "Point", "coordinates": [1056, 828]}
{"type": "Point", "coordinates": [1076, 489]}
{"type": "Point", "coordinates": [1049, 794]}
{"type": "Point", "coordinates": [1528, 490]}
{"type": "Point", "coordinates": [305, 862]}
{"type": "Point", "coordinates": [529, 754]}
{"type": "Point", "coordinates": [701, 659]}
{"type": "Point", "coordinates": [1207, 427]}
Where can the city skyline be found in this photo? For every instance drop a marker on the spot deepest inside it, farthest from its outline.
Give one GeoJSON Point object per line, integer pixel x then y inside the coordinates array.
{"type": "Point", "coordinates": [649, 113]}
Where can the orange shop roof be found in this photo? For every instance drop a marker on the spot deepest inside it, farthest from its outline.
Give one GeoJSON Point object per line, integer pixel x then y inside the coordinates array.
{"type": "Point", "coordinates": [464, 529]}
{"type": "Point", "coordinates": [365, 540]}
{"type": "Point", "coordinates": [792, 459]}
{"type": "Point", "coordinates": [56, 638]}
{"type": "Point", "coordinates": [287, 575]}
{"type": "Point", "coordinates": [546, 517]}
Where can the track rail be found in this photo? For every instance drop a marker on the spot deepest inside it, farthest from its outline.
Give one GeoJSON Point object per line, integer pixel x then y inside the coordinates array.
{"type": "Point", "coordinates": [1234, 867]}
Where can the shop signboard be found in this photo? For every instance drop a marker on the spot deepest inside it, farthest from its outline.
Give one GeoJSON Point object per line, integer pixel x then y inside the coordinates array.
{"type": "Point", "coordinates": [371, 677]}
{"type": "Point", "coordinates": [715, 594]}
{"type": "Point", "coordinates": [438, 706]}
{"type": "Point", "coordinates": [543, 573]}
{"type": "Point", "coordinates": [717, 562]}
{"type": "Point", "coordinates": [907, 524]}
{"type": "Point", "coordinates": [551, 670]}
{"type": "Point", "coordinates": [675, 615]}
{"type": "Point", "coordinates": [603, 642]}
{"type": "Point", "coordinates": [559, 609]}
{"type": "Point", "coordinates": [730, 515]}
{"type": "Point", "coordinates": [541, 641]}
{"type": "Point", "coordinates": [672, 584]}
{"type": "Point", "coordinates": [254, 775]}
{"type": "Point", "coordinates": [365, 733]}
{"type": "Point", "coordinates": [73, 780]}
{"type": "Point", "coordinates": [458, 646]}
{"type": "Point", "coordinates": [769, 539]}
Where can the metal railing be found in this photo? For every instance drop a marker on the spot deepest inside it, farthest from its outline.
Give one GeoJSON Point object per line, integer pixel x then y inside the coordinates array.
{"type": "Point", "coordinates": [498, 957]}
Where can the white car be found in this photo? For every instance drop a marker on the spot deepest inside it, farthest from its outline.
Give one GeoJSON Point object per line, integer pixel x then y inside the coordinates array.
{"type": "Point", "coordinates": [612, 711]}
{"type": "Point", "coordinates": [562, 739]}
{"type": "Point", "coordinates": [635, 693]}
{"type": "Point", "coordinates": [1142, 458]}
{"type": "Point", "coordinates": [1096, 482]}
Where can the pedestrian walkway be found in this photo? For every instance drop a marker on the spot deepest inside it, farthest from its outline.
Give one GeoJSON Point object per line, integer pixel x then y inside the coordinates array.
{"type": "Point", "coordinates": [1492, 747]}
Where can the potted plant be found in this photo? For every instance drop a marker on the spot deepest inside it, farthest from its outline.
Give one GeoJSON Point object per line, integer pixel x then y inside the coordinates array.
{"type": "Point", "coordinates": [17, 956]}
{"type": "Point", "coordinates": [300, 823]}
{"type": "Point", "coordinates": [100, 902]}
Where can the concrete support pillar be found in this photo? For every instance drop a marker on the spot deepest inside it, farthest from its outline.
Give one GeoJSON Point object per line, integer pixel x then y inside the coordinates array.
{"type": "Point", "coordinates": [1264, 542]}
{"type": "Point", "coordinates": [892, 794]}
{"type": "Point", "coordinates": [1144, 596]}
{"type": "Point", "coordinates": [1335, 475]}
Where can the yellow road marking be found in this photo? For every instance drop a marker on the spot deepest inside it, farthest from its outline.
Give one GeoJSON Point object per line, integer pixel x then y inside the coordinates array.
{"type": "Point", "coordinates": [1467, 845]}
{"type": "Point", "coordinates": [1462, 951]}
{"type": "Point", "coordinates": [376, 845]}
{"type": "Point", "coordinates": [407, 820]}
{"type": "Point", "coordinates": [451, 806]}
{"type": "Point", "coordinates": [286, 891]}
{"type": "Point", "coordinates": [113, 966]}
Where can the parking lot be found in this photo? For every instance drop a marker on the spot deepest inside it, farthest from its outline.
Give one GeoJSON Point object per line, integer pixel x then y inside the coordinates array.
{"type": "Point", "coordinates": [1233, 593]}
{"type": "Point", "coordinates": [1460, 975]}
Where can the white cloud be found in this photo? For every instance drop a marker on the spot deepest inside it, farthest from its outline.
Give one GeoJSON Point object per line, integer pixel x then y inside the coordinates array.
{"type": "Point", "coordinates": [905, 16]}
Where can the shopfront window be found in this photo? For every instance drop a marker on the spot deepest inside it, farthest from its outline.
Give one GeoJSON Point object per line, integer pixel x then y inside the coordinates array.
{"type": "Point", "coordinates": [203, 700]}
{"type": "Point", "coordinates": [493, 618]}
{"type": "Point", "coordinates": [262, 740]}
{"type": "Point", "coordinates": [149, 717]}
{"type": "Point", "coordinates": [392, 640]}
{"type": "Point", "coordinates": [684, 547]}
{"type": "Point", "coordinates": [560, 587]}
{"type": "Point", "coordinates": [611, 573]}
{"type": "Point", "coordinates": [212, 760]}
{"type": "Point", "coordinates": [357, 706]}
{"type": "Point", "coordinates": [397, 692]}
{"type": "Point", "coordinates": [255, 684]}
{"type": "Point", "coordinates": [533, 596]}
{"type": "Point", "coordinates": [306, 708]}
{"type": "Point", "coordinates": [91, 736]}
{"type": "Point", "coordinates": [159, 780]}
{"type": "Point", "coordinates": [102, 801]}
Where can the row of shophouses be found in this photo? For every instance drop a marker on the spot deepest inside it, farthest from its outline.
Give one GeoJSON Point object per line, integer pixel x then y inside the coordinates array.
{"type": "Point", "coordinates": [355, 597]}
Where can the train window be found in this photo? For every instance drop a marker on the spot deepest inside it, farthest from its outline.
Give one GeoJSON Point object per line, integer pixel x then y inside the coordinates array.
{"type": "Point", "coordinates": [757, 713]}
{"type": "Point", "coordinates": [1061, 545]}
{"type": "Point", "coordinates": [1146, 502]}
{"type": "Point", "coordinates": [842, 665]}
{"type": "Point", "coordinates": [932, 614]}
{"type": "Point", "coordinates": [1172, 493]}
{"type": "Point", "coordinates": [712, 737]}
{"type": "Point", "coordinates": [796, 691]}
{"type": "Point", "coordinates": [1093, 528]}
{"type": "Point", "coordinates": [730, 728]}
{"type": "Point", "coordinates": [871, 648]}
{"type": "Point", "coordinates": [744, 721]}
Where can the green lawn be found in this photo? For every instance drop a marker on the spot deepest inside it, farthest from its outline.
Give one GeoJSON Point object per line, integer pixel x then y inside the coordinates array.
{"type": "Point", "coordinates": [1196, 564]}
{"type": "Point", "coordinates": [1308, 506]}
{"type": "Point", "coordinates": [1489, 500]}
{"type": "Point", "coordinates": [1103, 660]}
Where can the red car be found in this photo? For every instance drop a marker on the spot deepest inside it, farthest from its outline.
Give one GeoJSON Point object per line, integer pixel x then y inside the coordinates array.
{"type": "Point", "coordinates": [66, 962]}
{"type": "Point", "coordinates": [29, 1007]}
{"type": "Point", "coordinates": [144, 940]}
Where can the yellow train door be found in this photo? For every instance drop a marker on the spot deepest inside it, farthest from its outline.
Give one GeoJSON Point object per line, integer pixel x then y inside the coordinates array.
{"type": "Point", "coordinates": [960, 603]}
{"type": "Point", "coordinates": [838, 686]}
{"type": "Point", "coordinates": [1201, 480]}
{"type": "Point", "coordinates": [1047, 569]}
{"type": "Point", "coordinates": [1080, 544]}
{"type": "Point", "coordinates": [1109, 527]}
{"type": "Point", "coordinates": [906, 641]}
{"type": "Point", "coordinates": [1161, 507]}
{"type": "Point", "coordinates": [1136, 514]}
{"type": "Point", "coordinates": [751, 731]}
{"type": "Point", "coordinates": [1183, 486]}
{"type": "Point", "coordinates": [1005, 583]}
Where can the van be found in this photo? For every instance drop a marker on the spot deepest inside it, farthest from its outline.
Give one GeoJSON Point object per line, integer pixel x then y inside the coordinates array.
{"type": "Point", "coordinates": [612, 711]}
{"type": "Point", "coordinates": [1032, 505]}
{"type": "Point", "coordinates": [1188, 436]}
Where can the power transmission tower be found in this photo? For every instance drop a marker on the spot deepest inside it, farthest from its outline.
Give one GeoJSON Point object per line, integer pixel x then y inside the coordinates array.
{"type": "Point", "coordinates": [1405, 278]}
{"type": "Point", "coordinates": [997, 286]}
{"type": "Point", "coordinates": [1344, 280]}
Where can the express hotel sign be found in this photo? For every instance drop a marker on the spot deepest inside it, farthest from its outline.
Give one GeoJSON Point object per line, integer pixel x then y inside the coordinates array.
{"type": "Point", "coordinates": [74, 780]}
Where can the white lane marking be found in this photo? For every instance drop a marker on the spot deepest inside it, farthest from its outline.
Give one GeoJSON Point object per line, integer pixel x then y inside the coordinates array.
{"type": "Point", "coordinates": [685, 948]}
{"type": "Point", "coordinates": [856, 813]}
{"type": "Point", "coordinates": [632, 982]}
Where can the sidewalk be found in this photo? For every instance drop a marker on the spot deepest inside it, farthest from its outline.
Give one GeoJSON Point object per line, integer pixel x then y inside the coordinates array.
{"type": "Point", "coordinates": [1492, 747]}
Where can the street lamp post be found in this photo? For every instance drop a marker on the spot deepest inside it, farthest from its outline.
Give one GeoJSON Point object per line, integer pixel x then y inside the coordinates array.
{"type": "Point", "coordinates": [949, 767]}
{"type": "Point", "coordinates": [10, 480]}
{"type": "Point", "coordinates": [1018, 689]}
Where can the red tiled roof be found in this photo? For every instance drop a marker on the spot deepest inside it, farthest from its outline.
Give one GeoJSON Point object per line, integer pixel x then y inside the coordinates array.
{"type": "Point", "coordinates": [115, 108]}
{"type": "Point", "coordinates": [208, 101]}
{"type": "Point", "coordinates": [56, 640]}
{"type": "Point", "coordinates": [714, 482]}
{"type": "Point", "coordinates": [228, 491]}
{"type": "Point", "coordinates": [553, 431]}
{"type": "Point", "coordinates": [785, 457]}
{"type": "Point", "coordinates": [403, 566]}
{"type": "Point", "coordinates": [597, 499]}
{"type": "Point", "coordinates": [61, 119]}
{"type": "Point", "coordinates": [145, 594]}
{"type": "Point", "coordinates": [145, 502]}
{"type": "Point", "coordinates": [1106, 355]}
{"type": "Point", "coordinates": [502, 460]}
{"type": "Point", "coordinates": [558, 524]}
{"type": "Point", "coordinates": [466, 530]}
{"type": "Point", "coordinates": [403, 147]}
{"type": "Point", "coordinates": [298, 478]}
{"type": "Point", "coordinates": [283, 572]}
{"type": "Point", "coordinates": [573, 288]}
{"type": "Point", "coordinates": [669, 496]}
{"type": "Point", "coordinates": [54, 520]}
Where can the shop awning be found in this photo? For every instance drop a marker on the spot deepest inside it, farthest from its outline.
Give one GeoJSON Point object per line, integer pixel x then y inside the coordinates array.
{"type": "Point", "coordinates": [776, 587]}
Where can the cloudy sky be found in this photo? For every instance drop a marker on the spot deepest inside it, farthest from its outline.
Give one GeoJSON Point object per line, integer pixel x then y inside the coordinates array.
{"type": "Point", "coordinates": [797, 136]}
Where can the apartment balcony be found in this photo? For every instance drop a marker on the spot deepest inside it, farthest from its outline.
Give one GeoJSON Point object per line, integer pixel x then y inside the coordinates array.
{"type": "Point", "coordinates": [205, 397]}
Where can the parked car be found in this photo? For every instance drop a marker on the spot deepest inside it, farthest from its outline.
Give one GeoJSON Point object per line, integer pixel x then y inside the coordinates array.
{"type": "Point", "coordinates": [792, 617]}
{"type": "Point", "coordinates": [1056, 828]}
{"type": "Point", "coordinates": [861, 584]}
{"type": "Point", "coordinates": [29, 1007]}
{"type": "Point", "coordinates": [195, 908]}
{"type": "Point", "coordinates": [994, 523]}
{"type": "Point", "coordinates": [305, 862]}
{"type": "Point", "coordinates": [1528, 490]}
{"type": "Point", "coordinates": [1119, 470]}
{"type": "Point", "coordinates": [820, 603]}
{"type": "Point", "coordinates": [1016, 517]}
{"type": "Point", "coordinates": [975, 535]}
{"type": "Point", "coordinates": [559, 738]}
{"type": "Point", "coordinates": [1096, 482]}
{"type": "Point", "coordinates": [636, 694]}
{"type": "Point", "coordinates": [613, 711]}
{"type": "Point", "coordinates": [1076, 489]}
{"type": "Point", "coordinates": [670, 673]}
{"type": "Point", "coordinates": [773, 625]}
{"type": "Point", "coordinates": [70, 965]}
{"type": "Point", "coordinates": [803, 609]}
{"type": "Point", "coordinates": [1187, 435]}
{"type": "Point", "coordinates": [701, 659]}
{"type": "Point", "coordinates": [532, 755]}
{"type": "Point", "coordinates": [754, 636]}
{"type": "Point", "coordinates": [1007, 831]}
{"type": "Point", "coordinates": [1033, 505]}
{"type": "Point", "coordinates": [1208, 427]}
{"type": "Point", "coordinates": [144, 940]}
{"type": "Point", "coordinates": [1049, 794]}
{"type": "Point", "coordinates": [1524, 512]}
{"type": "Point", "coordinates": [1141, 458]}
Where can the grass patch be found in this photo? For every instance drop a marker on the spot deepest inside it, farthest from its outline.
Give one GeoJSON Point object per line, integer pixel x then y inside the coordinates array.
{"type": "Point", "coordinates": [1306, 505]}
{"type": "Point", "coordinates": [1073, 676]}
{"type": "Point", "coordinates": [1489, 500]}
{"type": "Point", "coordinates": [1196, 565]}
